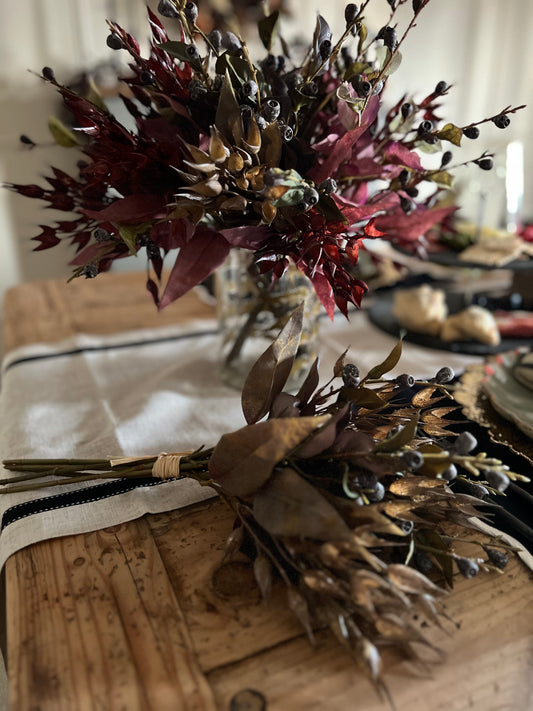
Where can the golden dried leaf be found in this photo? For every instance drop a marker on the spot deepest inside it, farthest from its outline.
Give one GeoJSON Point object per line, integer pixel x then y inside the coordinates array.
{"type": "Point", "coordinates": [423, 397]}
{"type": "Point", "coordinates": [235, 163]}
{"type": "Point", "coordinates": [218, 151]}
{"type": "Point", "coordinates": [411, 581]}
{"type": "Point", "coordinates": [410, 486]}
{"type": "Point", "coordinates": [268, 211]}
{"type": "Point", "coordinates": [298, 606]}
{"type": "Point", "coordinates": [271, 145]}
{"type": "Point", "coordinates": [242, 461]}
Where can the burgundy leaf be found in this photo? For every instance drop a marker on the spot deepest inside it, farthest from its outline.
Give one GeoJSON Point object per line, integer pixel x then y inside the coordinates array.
{"type": "Point", "coordinates": [131, 209]}
{"type": "Point", "coordinates": [247, 236]}
{"type": "Point", "coordinates": [196, 260]}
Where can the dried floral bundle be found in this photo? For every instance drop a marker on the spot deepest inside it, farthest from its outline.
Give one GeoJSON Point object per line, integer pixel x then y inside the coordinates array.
{"type": "Point", "coordinates": [296, 159]}
{"type": "Point", "coordinates": [344, 492]}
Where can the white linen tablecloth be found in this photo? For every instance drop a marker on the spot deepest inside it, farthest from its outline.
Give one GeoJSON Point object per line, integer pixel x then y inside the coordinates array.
{"type": "Point", "coordinates": [140, 392]}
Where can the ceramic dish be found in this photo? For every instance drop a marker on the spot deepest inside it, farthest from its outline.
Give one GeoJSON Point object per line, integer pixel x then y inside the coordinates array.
{"type": "Point", "coordinates": [380, 314]}
{"type": "Point", "coordinates": [507, 396]}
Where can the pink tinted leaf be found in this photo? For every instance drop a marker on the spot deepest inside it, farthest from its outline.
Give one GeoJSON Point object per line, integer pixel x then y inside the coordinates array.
{"type": "Point", "coordinates": [406, 228]}
{"type": "Point", "coordinates": [342, 150]}
{"type": "Point", "coordinates": [400, 155]}
{"type": "Point", "coordinates": [196, 260]}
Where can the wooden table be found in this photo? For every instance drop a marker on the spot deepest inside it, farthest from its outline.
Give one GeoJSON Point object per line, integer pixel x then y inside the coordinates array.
{"type": "Point", "coordinates": [127, 618]}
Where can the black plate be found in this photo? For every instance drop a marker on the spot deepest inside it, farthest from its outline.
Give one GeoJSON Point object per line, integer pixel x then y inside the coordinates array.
{"type": "Point", "coordinates": [380, 314]}
{"type": "Point", "coordinates": [449, 258]}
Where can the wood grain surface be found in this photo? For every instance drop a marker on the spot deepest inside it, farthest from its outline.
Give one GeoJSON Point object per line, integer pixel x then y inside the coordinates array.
{"type": "Point", "coordinates": [133, 617]}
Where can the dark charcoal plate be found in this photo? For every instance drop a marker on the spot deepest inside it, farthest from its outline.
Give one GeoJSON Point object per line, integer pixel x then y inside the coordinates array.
{"type": "Point", "coordinates": [448, 258]}
{"type": "Point", "coordinates": [380, 314]}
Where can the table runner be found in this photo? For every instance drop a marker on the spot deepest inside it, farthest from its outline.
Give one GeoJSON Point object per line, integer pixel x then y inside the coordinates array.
{"type": "Point", "coordinates": [135, 393]}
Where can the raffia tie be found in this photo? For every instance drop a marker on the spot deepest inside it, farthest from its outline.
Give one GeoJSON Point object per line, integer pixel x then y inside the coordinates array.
{"type": "Point", "coordinates": [167, 466]}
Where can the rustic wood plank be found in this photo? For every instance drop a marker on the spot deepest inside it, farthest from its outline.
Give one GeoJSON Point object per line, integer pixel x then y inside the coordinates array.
{"type": "Point", "coordinates": [52, 310]}
{"type": "Point", "coordinates": [227, 621]}
{"type": "Point", "coordinates": [487, 668]}
{"type": "Point", "coordinates": [94, 624]}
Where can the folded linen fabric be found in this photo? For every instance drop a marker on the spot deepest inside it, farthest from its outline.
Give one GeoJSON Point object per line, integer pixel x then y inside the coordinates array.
{"type": "Point", "coordinates": [137, 393]}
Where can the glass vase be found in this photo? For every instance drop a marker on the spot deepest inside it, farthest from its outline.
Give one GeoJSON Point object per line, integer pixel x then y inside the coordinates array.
{"type": "Point", "coordinates": [251, 312]}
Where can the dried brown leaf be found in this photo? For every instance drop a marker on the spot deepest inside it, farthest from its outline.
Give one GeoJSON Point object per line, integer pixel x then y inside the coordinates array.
{"type": "Point", "coordinates": [289, 506]}
{"type": "Point", "coordinates": [269, 373]}
{"type": "Point", "coordinates": [411, 581]}
{"type": "Point", "coordinates": [299, 607]}
{"type": "Point", "coordinates": [242, 461]}
{"type": "Point", "coordinates": [263, 575]}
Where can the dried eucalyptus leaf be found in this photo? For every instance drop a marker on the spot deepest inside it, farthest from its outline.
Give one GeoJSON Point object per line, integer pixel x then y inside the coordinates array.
{"type": "Point", "coordinates": [411, 581]}
{"type": "Point", "coordinates": [242, 461]}
{"type": "Point", "coordinates": [228, 114]}
{"type": "Point", "coordinates": [289, 506]}
{"type": "Point", "coordinates": [388, 364]}
{"type": "Point", "coordinates": [263, 575]}
{"type": "Point", "coordinates": [310, 384]}
{"type": "Point", "coordinates": [269, 373]}
{"type": "Point", "coordinates": [268, 29]}
{"type": "Point", "coordinates": [339, 364]}
{"type": "Point", "coordinates": [401, 438]}
{"type": "Point", "coordinates": [451, 133]}
{"type": "Point", "coordinates": [299, 607]}
{"type": "Point", "coordinates": [429, 537]}
{"type": "Point", "coordinates": [410, 486]}
{"type": "Point", "coordinates": [364, 397]}
{"type": "Point", "coordinates": [323, 438]}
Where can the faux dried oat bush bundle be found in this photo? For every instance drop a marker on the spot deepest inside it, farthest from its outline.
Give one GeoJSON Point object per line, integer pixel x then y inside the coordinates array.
{"type": "Point", "coordinates": [345, 493]}
{"type": "Point", "coordinates": [295, 159]}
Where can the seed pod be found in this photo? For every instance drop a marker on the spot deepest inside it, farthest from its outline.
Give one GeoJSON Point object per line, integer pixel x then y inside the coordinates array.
{"type": "Point", "coordinates": [350, 12]}
{"type": "Point", "coordinates": [48, 74]}
{"type": "Point", "coordinates": [215, 39]}
{"type": "Point", "coordinates": [484, 163]}
{"type": "Point", "coordinates": [497, 480]}
{"type": "Point", "coordinates": [167, 9]}
{"type": "Point", "coordinates": [497, 557]}
{"type": "Point", "coordinates": [501, 121]}
{"type": "Point", "coordinates": [412, 459]}
{"type": "Point", "coordinates": [464, 443]}
{"type": "Point", "coordinates": [471, 132]}
{"type": "Point", "coordinates": [475, 489]}
{"type": "Point", "coordinates": [404, 380]}
{"type": "Point", "coordinates": [444, 375]}
{"type": "Point", "coordinates": [376, 494]}
{"type": "Point", "coordinates": [350, 375]}
{"type": "Point", "coordinates": [249, 89]}
{"type": "Point", "coordinates": [406, 109]}
{"type": "Point", "coordinates": [467, 567]}
{"type": "Point", "coordinates": [231, 42]}
{"type": "Point", "coordinates": [26, 140]}
{"type": "Point", "coordinates": [446, 158]}
{"type": "Point", "coordinates": [191, 11]}
{"type": "Point", "coordinates": [328, 186]}
{"type": "Point", "coordinates": [441, 87]}
{"type": "Point", "coordinates": [450, 473]}
{"type": "Point", "coordinates": [406, 205]}
{"type": "Point", "coordinates": [271, 110]}
{"type": "Point", "coordinates": [101, 235]}
{"type": "Point", "coordinates": [114, 42]}
{"type": "Point", "coordinates": [90, 271]}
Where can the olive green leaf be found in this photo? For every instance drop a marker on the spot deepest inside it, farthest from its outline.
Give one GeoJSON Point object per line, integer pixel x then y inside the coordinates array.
{"type": "Point", "coordinates": [61, 134]}
{"type": "Point", "coordinates": [452, 133]}
{"type": "Point", "coordinates": [388, 364]}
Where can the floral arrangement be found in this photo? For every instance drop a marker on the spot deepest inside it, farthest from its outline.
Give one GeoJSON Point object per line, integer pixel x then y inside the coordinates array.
{"type": "Point", "coordinates": [295, 160]}
{"type": "Point", "coordinates": [346, 493]}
